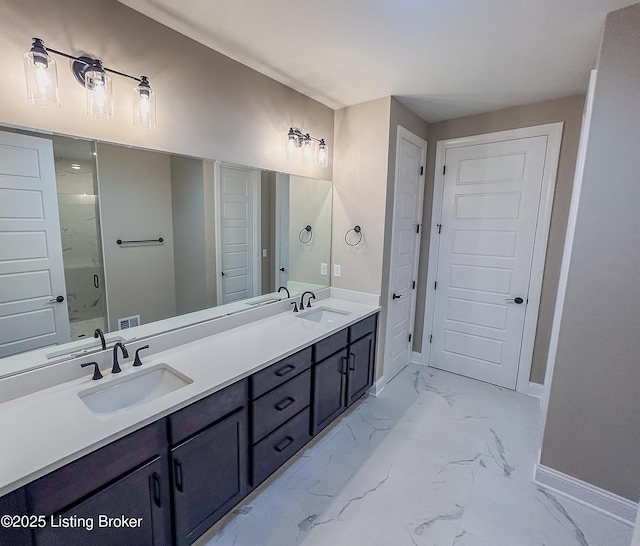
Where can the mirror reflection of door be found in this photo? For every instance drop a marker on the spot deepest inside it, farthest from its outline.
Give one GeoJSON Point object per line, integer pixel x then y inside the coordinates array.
{"type": "Point", "coordinates": [238, 198]}
{"type": "Point", "coordinates": [282, 230]}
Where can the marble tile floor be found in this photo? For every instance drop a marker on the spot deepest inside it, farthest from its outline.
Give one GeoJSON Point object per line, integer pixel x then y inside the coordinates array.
{"type": "Point", "coordinates": [436, 460]}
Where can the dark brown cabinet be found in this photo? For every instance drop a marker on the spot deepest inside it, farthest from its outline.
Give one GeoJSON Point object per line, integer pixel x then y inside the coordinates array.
{"type": "Point", "coordinates": [209, 476]}
{"type": "Point", "coordinates": [173, 479]}
{"type": "Point", "coordinates": [344, 376]}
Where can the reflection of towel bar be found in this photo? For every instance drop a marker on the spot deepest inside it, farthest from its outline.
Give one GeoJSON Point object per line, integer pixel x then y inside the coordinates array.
{"type": "Point", "coordinates": [159, 240]}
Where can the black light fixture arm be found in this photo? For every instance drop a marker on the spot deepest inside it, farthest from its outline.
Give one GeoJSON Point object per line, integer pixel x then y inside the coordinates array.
{"type": "Point", "coordinates": [38, 45]}
{"type": "Point", "coordinates": [298, 133]}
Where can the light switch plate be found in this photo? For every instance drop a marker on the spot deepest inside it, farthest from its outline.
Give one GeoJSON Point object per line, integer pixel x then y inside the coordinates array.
{"type": "Point", "coordinates": [337, 270]}
{"type": "Point", "coordinates": [264, 252]}
{"type": "Point", "coordinates": [323, 268]}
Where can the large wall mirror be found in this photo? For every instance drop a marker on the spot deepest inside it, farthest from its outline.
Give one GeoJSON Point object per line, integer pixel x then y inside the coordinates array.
{"type": "Point", "coordinates": [136, 242]}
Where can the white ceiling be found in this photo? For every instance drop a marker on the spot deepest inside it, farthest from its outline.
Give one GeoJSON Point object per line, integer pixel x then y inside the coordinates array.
{"type": "Point", "coordinates": [442, 58]}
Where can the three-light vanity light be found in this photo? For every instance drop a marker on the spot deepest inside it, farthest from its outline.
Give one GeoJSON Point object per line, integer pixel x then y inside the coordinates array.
{"type": "Point", "coordinates": [42, 85]}
{"type": "Point", "coordinates": [301, 146]}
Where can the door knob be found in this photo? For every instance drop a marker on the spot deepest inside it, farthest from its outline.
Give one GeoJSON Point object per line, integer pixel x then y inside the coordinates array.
{"type": "Point", "coordinates": [59, 299]}
{"type": "Point", "coordinates": [395, 296]}
{"type": "Point", "coordinates": [517, 300]}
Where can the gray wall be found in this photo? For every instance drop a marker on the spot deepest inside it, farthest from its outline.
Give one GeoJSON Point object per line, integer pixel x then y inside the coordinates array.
{"type": "Point", "coordinates": [567, 110]}
{"type": "Point", "coordinates": [135, 203]}
{"type": "Point", "coordinates": [192, 214]}
{"type": "Point", "coordinates": [208, 105]}
{"type": "Point", "coordinates": [592, 430]}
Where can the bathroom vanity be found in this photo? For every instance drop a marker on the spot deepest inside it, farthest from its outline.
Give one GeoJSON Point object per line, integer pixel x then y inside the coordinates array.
{"type": "Point", "coordinates": [166, 470]}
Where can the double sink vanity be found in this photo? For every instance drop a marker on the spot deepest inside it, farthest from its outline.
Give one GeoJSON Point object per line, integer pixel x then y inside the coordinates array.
{"type": "Point", "coordinates": [159, 452]}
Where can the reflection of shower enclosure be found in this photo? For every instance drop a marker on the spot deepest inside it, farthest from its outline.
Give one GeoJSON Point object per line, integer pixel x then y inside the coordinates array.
{"type": "Point", "coordinates": [80, 228]}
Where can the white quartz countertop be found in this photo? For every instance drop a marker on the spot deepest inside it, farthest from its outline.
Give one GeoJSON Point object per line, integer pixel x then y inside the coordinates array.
{"type": "Point", "coordinates": [45, 430]}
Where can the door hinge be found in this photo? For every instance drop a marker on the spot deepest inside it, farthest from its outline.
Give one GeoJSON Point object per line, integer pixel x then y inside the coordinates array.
{"type": "Point", "coordinates": [444, 170]}
{"type": "Point", "coordinates": [417, 228]}
{"type": "Point", "coordinates": [413, 285]}
{"type": "Point", "coordinates": [409, 338]}
{"type": "Point", "coordinates": [439, 228]}
{"type": "Point", "coordinates": [430, 339]}
{"type": "Point", "coordinates": [421, 171]}
{"type": "Point", "coordinates": [435, 285]}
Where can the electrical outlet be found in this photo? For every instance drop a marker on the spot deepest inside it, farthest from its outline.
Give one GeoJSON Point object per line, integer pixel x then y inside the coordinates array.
{"type": "Point", "coordinates": [264, 252]}
{"type": "Point", "coordinates": [323, 269]}
{"type": "Point", "coordinates": [337, 270]}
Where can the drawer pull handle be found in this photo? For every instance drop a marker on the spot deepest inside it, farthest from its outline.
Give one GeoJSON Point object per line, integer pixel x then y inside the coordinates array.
{"type": "Point", "coordinates": [157, 498]}
{"type": "Point", "coordinates": [343, 365]}
{"type": "Point", "coordinates": [177, 471]}
{"type": "Point", "coordinates": [352, 364]}
{"type": "Point", "coordinates": [284, 403]}
{"type": "Point", "coordinates": [281, 446]}
{"type": "Point", "coordinates": [285, 370]}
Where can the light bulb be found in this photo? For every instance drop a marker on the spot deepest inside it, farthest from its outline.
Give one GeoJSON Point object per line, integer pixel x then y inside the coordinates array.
{"type": "Point", "coordinates": [292, 145]}
{"type": "Point", "coordinates": [99, 92]}
{"type": "Point", "coordinates": [144, 105]}
{"type": "Point", "coordinates": [323, 154]}
{"type": "Point", "coordinates": [307, 149]}
{"type": "Point", "coordinates": [41, 76]}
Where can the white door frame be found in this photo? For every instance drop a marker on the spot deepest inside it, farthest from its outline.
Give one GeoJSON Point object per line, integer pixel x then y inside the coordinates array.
{"type": "Point", "coordinates": [257, 269]}
{"type": "Point", "coordinates": [421, 143]}
{"type": "Point", "coordinates": [553, 132]}
{"type": "Point", "coordinates": [278, 226]}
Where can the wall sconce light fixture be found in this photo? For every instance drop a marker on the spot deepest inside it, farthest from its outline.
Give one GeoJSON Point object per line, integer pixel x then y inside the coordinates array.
{"type": "Point", "coordinates": [301, 146]}
{"type": "Point", "coordinates": [42, 85]}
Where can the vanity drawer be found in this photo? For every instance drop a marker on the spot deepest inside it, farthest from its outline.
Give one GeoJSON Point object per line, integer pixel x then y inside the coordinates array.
{"type": "Point", "coordinates": [332, 344]}
{"type": "Point", "coordinates": [280, 372]}
{"type": "Point", "coordinates": [278, 406]}
{"type": "Point", "coordinates": [363, 328]}
{"type": "Point", "coordinates": [279, 446]}
{"type": "Point", "coordinates": [203, 413]}
{"type": "Point", "coordinates": [62, 487]}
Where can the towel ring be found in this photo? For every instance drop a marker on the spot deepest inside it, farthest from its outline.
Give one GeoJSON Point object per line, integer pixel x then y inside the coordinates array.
{"type": "Point", "coordinates": [309, 231]}
{"type": "Point", "coordinates": [355, 229]}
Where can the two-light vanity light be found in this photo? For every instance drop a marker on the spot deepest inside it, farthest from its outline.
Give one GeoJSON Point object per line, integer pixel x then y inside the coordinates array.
{"type": "Point", "coordinates": [42, 85]}
{"type": "Point", "coordinates": [301, 146]}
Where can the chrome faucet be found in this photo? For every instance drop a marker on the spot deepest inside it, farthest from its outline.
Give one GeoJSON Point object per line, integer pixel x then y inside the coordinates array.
{"type": "Point", "coordinates": [285, 289]}
{"type": "Point", "coordinates": [125, 354]}
{"type": "Point", "coordinates": [98, 334]}
{"type": "Point", "coordinates": [313, 297]}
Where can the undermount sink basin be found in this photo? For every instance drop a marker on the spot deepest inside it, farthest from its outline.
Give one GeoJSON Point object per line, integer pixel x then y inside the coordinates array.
{"type": "Point", "coordinates": [324, 315]}
{"type": "Point", "coordinates": [134, 389]}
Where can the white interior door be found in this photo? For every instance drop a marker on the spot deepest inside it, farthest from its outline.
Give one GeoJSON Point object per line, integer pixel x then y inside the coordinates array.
{"type": "Point", "coordinates": [282, 229]}
{"type": "Point", "coordinates": [31, 268]}
{"type": "Point", "coordinates": [238, 206]}
{"type": "Point", "coordinates": [407, 216]}
{"type": "Point", "coordinates": [489, 213]}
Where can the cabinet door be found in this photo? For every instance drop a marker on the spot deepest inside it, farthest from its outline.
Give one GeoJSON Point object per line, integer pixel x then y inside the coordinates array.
{"type": "Point", "coordinates": [328, 390]}
{"type": "Point", "coordinates": [360, 375]}
{"type": "Point", "coordinates": [14, 504]}
{"type": "Point", "coordinates": [209, 476]}
{"type": "Point", "coordinates": [137, 496]}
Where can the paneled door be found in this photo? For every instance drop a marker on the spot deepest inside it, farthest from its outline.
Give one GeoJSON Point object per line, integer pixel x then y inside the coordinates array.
{"type": "Point", "coordinates": [238, 213]}
{"type": "Point", "coordinates": [33, 306]}
{"type": "Point", "coordinates": [490, 208]}
{"type": "Point", "coordinates": [405, 247]}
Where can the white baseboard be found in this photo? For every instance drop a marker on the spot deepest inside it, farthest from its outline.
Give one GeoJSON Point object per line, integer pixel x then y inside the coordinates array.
{"type": "Point", "coordinates": [378, 387]}
{"type": "Point", "coordinates": [535, 390]}
{"type": "Point", "coordinates": [586, 494]}
{"type": "Point", "coordinates": [416, 358]}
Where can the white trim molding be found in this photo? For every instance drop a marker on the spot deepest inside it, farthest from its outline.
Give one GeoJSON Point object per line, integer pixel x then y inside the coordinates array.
{"type": "Point", "coordinates": [536, 390]}
{"type": "Point", "coordinates": [600, 500]}
{"type": "Point", "coordinates": [416, 358]}
{"type": "Point", "coordinates": [553, 132]}
{"type": "Point", "coordinates": [378, 387]}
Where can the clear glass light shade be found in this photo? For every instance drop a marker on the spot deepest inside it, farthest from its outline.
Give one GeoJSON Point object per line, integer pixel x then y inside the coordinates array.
{"type": "Point", "coordinates": [99, 92]}
{"type": "Point", "coordinates": [292, 146]}
{"type": "Point", "coordinates": [144, 107]}
{"type": "Point", "coordinates": [323, 155]}
{"type": "Point", "coordinates": [42, 79]}
{"type": "Point", "coordinates": [307, 150]}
